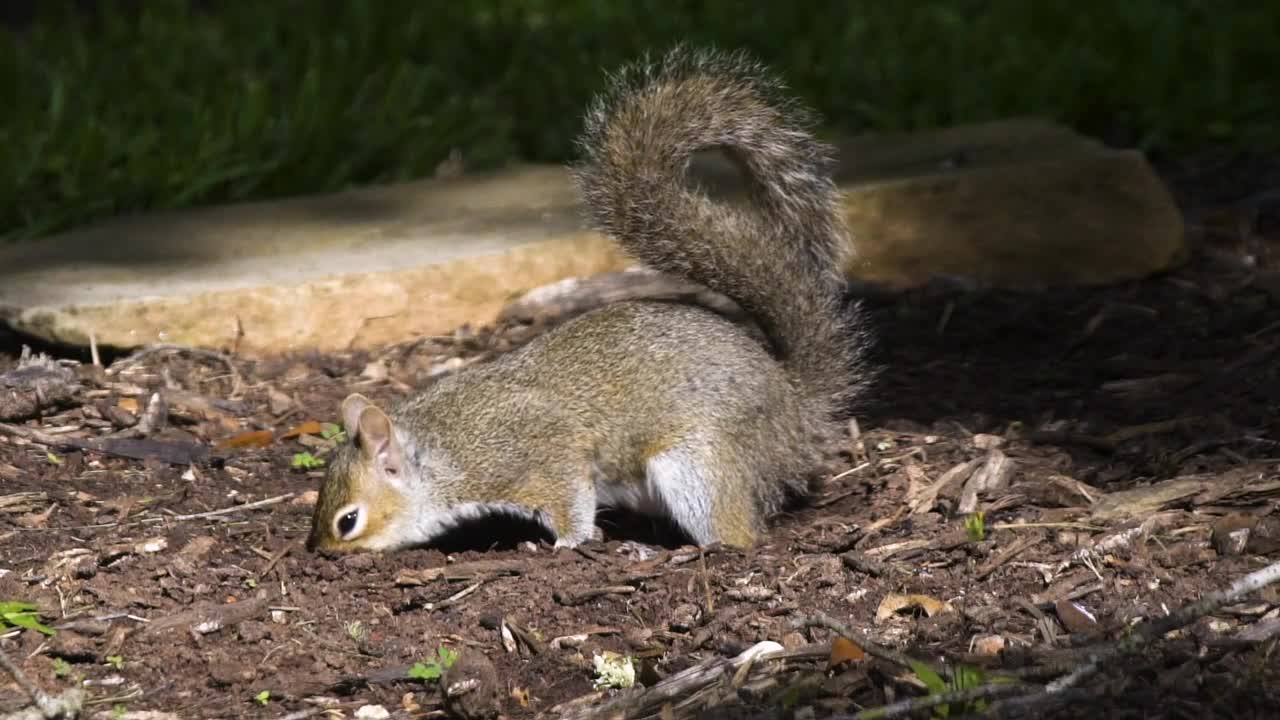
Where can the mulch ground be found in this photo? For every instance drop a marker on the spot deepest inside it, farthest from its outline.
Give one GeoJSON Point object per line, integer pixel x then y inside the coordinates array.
{"type": "Point", "coordinates": [1116, 441]}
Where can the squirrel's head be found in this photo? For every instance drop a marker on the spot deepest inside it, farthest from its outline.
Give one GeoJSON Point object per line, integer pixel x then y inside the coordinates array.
{"type": "Point", "coordinates": [364, 490]}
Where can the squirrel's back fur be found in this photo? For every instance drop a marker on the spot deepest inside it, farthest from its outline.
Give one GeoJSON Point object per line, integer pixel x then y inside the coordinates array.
{"type": "Point", "coordinates": [780, 257]}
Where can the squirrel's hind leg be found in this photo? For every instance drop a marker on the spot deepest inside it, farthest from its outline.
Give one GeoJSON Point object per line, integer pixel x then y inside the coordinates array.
{"type": "Point", "coordinates": [569, 512]}
{"type": "Point", "coordinates": [705, 497]}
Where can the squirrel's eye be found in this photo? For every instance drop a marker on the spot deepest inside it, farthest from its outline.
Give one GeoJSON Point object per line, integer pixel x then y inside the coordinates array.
{"type": "Point", "coordinates": [347, 522]}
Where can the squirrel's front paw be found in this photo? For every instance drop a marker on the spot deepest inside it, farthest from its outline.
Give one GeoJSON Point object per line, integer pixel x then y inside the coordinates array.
{"type": "Point", "coordinates": [574, 540]}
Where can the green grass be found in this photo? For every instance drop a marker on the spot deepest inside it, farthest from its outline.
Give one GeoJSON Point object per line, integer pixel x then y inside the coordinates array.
{"type": "Point", "coordinates": [171, 107]}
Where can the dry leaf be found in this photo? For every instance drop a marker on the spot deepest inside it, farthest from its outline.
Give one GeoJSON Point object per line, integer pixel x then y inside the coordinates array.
{"type": "Point", "coordinates": [253, 438]}
{"type": "Point", "coordinates": [129, 404]}
{"type": "Point", "coordinates": [926, 495]}
{"type": "Point", "coordinates": [844, 650]}
{"type": "Point", "coordinates": [521, 695]}
{"type": "Point", "coordinates": [310, 427]}
{"type": "Point", "coordinates": [1075, 618]}
{"type": "Point", "coordinates": [306, 499]}
{"type": "Point", "coordinates": [36, 520]}
{"type": "Point", "coordinates": [893, 604]}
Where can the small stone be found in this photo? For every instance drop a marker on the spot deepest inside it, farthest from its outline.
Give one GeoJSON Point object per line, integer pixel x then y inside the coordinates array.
{"type": "Point", "coordinates": [984, 441]}
{"type": "Point", "coordinates": [74, 647]}
{"type": "Point", "coordinates": [988, 645]}
{"type": "Point", "coordinates": [1075, 618]}
{"type": "Point", "coordinates": [1219, 627]}
{"type": "Point", "coordinates": [119, 416]}
{"type": "Point", "coordinates": [252, 631]}
{"type": "Point", "coordinates": [1265, 537]}
{"type": "Point", "coordinates": [374, 371]}
{"type": "Point", "coordinates": [794, 640]}
{"type": "Point", "coordinates": [685, 617]}
{"type": "Point", "coordinates": [1231, 533]}
{"type": "Point", "coordinates": [278, 402]}
{"type": "Point", "coordinates": [372, 712]}
{"type": "Point", "coordinates": [225, 672]}
{"type": "Point", "coordinates": [751, 593]}
{"type": "Point", "coordinates": [471, 688]}
{"type": "Point", "coordinates": [638, 638]}
{"type": "Point", "coordinates": [306, 499]}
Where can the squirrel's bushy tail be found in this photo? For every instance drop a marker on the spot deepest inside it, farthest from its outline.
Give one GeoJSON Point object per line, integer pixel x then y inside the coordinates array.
{"type": "Point", "coordinates": [780, 257]}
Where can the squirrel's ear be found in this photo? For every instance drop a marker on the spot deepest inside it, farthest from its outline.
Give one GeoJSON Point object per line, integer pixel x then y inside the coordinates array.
{"type": "Point", "coordinates": [378, 440]}
{"type": "Point", "coordinates": [352, 407]}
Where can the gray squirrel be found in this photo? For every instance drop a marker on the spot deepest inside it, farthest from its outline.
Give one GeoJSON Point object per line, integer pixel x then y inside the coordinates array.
{"type": "Point", "coordinates": [652, 406]}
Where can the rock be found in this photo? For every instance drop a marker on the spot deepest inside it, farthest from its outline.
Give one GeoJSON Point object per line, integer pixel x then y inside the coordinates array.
{"type": "Point", "coordinates": [354, 269]}
{"type": "Point", "coordinates": [1265, 537]}
{"type": "Point", "coordinates": [794, 640]}
{"type": "Point", "coordinates": [471, 688]}
{"type": "Point", "coordinates": [1019, 204]}
{"type": "Point", "coordinates": [988, 645]}
{"type": "Point", "coordinates": [1014, 203]}
{"type": "Point", "coordinates": [1076, 618]}
{"type": "Point", "coordinates": [1143, 502]}
{"type": "Point", "coordinates": [1231, 533]}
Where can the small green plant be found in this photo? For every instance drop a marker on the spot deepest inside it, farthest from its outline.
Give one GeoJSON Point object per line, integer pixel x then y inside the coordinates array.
{"type": "Point", "coordinates": [56, 460]}
{"type": "Point", "coordinates": [22, 615]}
{"type": "Point", "coordinates": [306, 461]}
{"type": "Point", "coordinates": [976, 526]}
{"type": "Point", "coordinates": [333, 433]}
{"type": "Point", "coordinates": [263, 697]}
{"type": "Point", "coordinates": [118, 711]}
{"type": "Point", "coordinates": [432, 669]}
{"type": "Point", "coordinates": [963, 677]}
{"type": "Point", "coordinates": [61, 668]}
{"type": "Point", "coordinates": [116, 661]}
{"type": "Point", "coordinates": [249, 583]}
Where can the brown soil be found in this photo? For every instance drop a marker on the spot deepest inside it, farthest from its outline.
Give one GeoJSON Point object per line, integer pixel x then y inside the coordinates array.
{"type": "Point", "coordinates": [1086, 392]}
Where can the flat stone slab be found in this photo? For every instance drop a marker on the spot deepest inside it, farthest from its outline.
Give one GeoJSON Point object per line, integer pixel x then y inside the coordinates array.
{"type": "Point", "coordinates": [1018, 203]}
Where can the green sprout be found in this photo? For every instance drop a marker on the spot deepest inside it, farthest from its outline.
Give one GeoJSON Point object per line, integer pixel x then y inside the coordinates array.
{"type": "Point", "coordinates": [263, 697]}
{"type": "Point", "coordinates": [432, 669]}
{"type": "Point", "coordinates": [976, 526]}
{"type": "Point", "coordinates": [306, 461]}
{"type": "Point", "coordinates": [22, 615]}
{"type": "Point", "coordinates": [333, 433]}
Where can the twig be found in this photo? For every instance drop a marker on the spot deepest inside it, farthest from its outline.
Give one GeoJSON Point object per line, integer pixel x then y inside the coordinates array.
{"type": "Point", "coordinates": [578, 598]}
{"type": "Point", "coordinates": [819, 619]}
{"type": "Point", "coordinates": [1004, 556]}
{"type": "Point", "coordinates": [958, 697]}
{"type": "Point", "coordinates": [179, 518]}
{"type": "Point", "coordinates": [1149, 631]}
{"type": "Point", "coordinates": [227, 510]}
{"type": "Point", "coordinates": [236, 381]}
{"type": "Point", "coordinates": [273, 560]}
{"type": "Point", "coordinates": [93, 349]}
{"type": "Point", "coordinates": [676, 689]}
{"type": "Point", "coordinates": [301, 714]}
{"type": "Point", "coordinates": [66, 705]}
